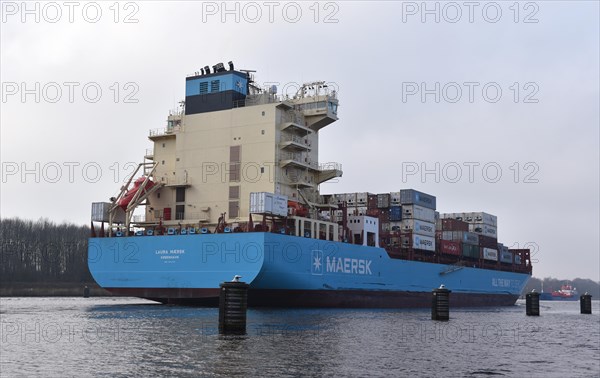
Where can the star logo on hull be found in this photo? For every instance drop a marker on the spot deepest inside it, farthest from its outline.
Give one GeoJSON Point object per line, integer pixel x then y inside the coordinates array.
{"type": "Point", "coordinates": [316, 266]}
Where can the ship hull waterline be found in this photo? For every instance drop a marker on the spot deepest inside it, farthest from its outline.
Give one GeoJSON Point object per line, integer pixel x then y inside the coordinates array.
{"type": "Point", "coordinates": [315, 298]}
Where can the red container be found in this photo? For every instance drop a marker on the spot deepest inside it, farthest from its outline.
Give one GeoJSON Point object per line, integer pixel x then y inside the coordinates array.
{"type": "Point", "coordinates": [384, 215]}
{"type": "Point", "coordinates": [454, 225]}
{"type": "Point", "coordinates": [372, 201]}
{"type": "Point", "coordinates": [488, 242]}
{"type": "Point", "coordinates": [373, 213]}
{"type": "Point", "coordinates": [448, 247]}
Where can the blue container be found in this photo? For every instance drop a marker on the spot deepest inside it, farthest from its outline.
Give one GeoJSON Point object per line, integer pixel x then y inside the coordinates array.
{"type": "Point", "coordinates": [395, 213]}
{"type": "Point", "coordinates": [413, 197]}
{"type": "Point", "coordinates": [506, 257]}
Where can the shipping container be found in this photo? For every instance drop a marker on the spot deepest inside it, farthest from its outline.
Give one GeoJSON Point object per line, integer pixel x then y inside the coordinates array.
{"type": "Point", "coordinates": [517, 259]}
{"type": "Point", "coordinates": [268, 203]}
{"type": "Point", "coordinates": [385, 226]}
{"type": "Point", "coordinates": [481, 217]}
{"type": "Point", "coordinates": [470, 250]}
{"type": "Point", "coordinates": [418, 227]}
{"type": "Point", "coordinates": [489, 254]}
{"type": "Point", "coordinates": [414, 241]}
{"type": "Point", "coordinates": [361, 210]}
{"type": "Point", "coordinates": [461, 236]}
{"type": "Point", "coordinates": [451, 224]}
{"type": "Point", "coordinates": [418, 212]}
{"type": "Point", "coordinates": [395, 226]}
{"type": "Point", "coordinates": [413, 197]}
{"type": "Point", "coordinates": [372, 201]}
{"type": "Point", "coordinates": [350, 199]}
{"type": "Point", "coordinates": [449, 247]}
{"type": "Point", "coordinates": [351, 211]}
{"type": "Point", "coordinates": [383, 200]}
{"type": "Point", "coordinates": [373, 212]}
{"type": "Point", "coordinates": [506, 257]}
{"type": "Point", "coordinates": [394, 198]}
{"type": "Point", "coordinates": [339, 198]}
{"type": "Point", "coordinates": [487, 241]}
{"type": "Point", "coordinates": [362, 199]}
{"type": "Point", "coordinates": [395, 213]}
{"type": "Point", "coordinates": [483, 229]}
{"type": "Point", "coordinates": [100, 212]}
{"type": "Point", "coordinates": [384, 215]}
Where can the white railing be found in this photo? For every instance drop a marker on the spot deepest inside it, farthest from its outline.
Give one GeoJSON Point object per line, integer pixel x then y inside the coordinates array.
{"type": "Point", "coordinates": [293, 138]}
{"type": "Point", "coordinates": [164, 130]}
{"type": "Point", "coordinates": [330, 166]}
{"type": "Point", "coordinates": [176, 180]}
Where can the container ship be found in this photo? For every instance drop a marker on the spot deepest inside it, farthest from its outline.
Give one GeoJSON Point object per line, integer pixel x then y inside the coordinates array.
{"type": "Point", "coordinates": [231, 188]}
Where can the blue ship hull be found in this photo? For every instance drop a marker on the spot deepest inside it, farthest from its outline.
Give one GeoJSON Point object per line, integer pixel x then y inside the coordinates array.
{"type": "Point", "coordinates": [286, 271]}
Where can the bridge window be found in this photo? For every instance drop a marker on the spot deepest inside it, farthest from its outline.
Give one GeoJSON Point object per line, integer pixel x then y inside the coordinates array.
{"type": "Point", "coordinates": [234, 192]}
{"type": "Point", "coordinates": [203, 87]}
{"type": "Point", "coordinates": [234, 209]}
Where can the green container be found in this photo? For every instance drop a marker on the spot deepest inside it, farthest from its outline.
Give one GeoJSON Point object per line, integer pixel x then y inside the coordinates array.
{"type": "Point", "coordinates": [469, 250]}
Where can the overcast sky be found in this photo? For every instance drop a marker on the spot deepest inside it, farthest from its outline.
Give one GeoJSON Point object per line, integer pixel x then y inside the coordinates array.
{"type": "Point", "coordinates": [498, 103]}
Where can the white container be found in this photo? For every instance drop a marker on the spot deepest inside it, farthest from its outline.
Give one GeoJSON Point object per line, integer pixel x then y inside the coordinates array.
{"type": "Point", "coordinates": [362, 210]}
{"type": "Point", "coordinates": [395, 198]}
{"type": "Point", "coordinates": [100, 212]}
{"type": "Point", "coordinates": [418, 227]}
{"type": "Point", "coordinates": [490, 254]}
{"type": "Point", "coordinates": [339, 198]}
{"type": "Point", "coordinates": [362, 199]}
{"type": "Point", "coordinates": [268, 203]}
{"type": "Point", "coordinates": [414, 241]}
{"type": "Point", "coordinates": [351, 199]}
{"type": "Point", "coordinates": [483, 229]}
{"type": "Point", "coordinates": [418, 212]}
{"type": "Point", "coordinates": [395, 226]}
{"type": "Point", "coordinates": [485, 218]}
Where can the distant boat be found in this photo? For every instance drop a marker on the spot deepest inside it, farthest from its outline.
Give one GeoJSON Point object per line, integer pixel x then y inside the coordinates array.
{"type": "Point", "coordinates": [566, 293]}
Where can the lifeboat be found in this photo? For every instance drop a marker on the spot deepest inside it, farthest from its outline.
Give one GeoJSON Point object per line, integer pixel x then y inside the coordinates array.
{"type": "Point", "coordinates": [124, 202]}
{"type": "Point", "coordinates": [297, 209]}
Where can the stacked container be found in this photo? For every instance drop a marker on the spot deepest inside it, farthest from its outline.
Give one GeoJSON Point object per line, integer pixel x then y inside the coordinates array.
{"type": "Point", "coordinates": [484, 225]}
{"type": "Point", "coordinates": [505, 256]}
{"type": "Point", "coordinates": [418, 219]}
{"type": "Point", "coordinates": [383, 201]}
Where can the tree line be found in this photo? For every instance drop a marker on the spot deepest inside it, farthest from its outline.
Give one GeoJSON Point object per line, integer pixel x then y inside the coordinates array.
{"type": "Point", "coordinates": [550, 284]}
{"type": "Point", "coordinates": [43, 252]}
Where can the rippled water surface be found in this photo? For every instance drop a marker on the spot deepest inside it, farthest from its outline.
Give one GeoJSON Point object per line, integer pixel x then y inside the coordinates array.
{"type": "Point", "coordinates": [77, 337]}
